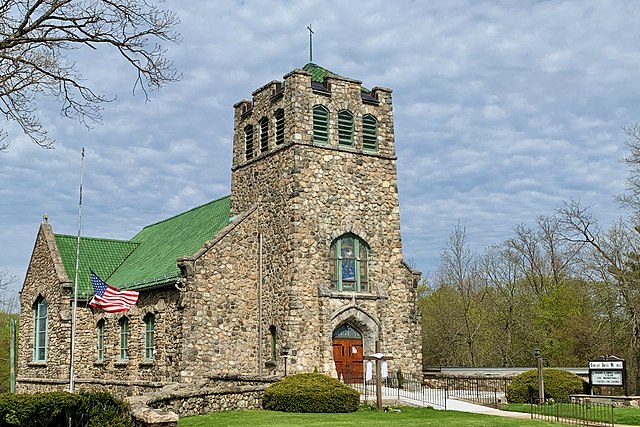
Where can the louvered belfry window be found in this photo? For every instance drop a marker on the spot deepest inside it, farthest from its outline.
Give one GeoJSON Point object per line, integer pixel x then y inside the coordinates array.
{"type": "Point", "coordinates": [248, 141]}
{"type": "Point", "coordinates": [320, 124]}
{"type": "Point", "coordinates": [264, 134]}
{"type": "Point", "coordinates": [279, 126]}
{"type": "Point", "coordinates": [345, 128]}
{"type": "Point", "coordinates": [369, 133]}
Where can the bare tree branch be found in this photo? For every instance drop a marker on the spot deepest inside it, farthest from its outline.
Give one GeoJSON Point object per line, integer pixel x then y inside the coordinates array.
{"type": "Point", "coordinates": [36, 36]}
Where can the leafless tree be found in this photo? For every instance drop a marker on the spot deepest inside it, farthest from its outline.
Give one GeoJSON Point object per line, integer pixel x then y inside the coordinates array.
{"type": "Point", "coordinates": [8, 302]}
{"type": "Point", "coordinates": [37, 35]}
{"type": "Point", "coordinates": [614, 259]}
{"type": "Point", "coordinates": [458, 269]}
{"type": "Point", "coordinates": [632, 197]}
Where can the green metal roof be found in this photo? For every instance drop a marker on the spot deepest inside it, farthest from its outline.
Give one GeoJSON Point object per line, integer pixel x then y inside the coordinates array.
{"type": "Point", "coordinates": [102, 256]}
{"type": "Point", "coordinates": [318, 74]}
{"type": "Point", "coordinates": [150, 256]}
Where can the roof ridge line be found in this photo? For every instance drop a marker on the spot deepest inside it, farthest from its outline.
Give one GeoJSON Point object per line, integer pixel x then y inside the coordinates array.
{"type": "Point", "coordinates": [187, 211]}
{"type": "Point", "coordinates": [103, 239]}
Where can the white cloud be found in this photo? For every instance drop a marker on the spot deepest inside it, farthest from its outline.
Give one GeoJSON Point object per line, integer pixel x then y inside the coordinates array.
{"type": "Point", "coordinates": [502, 111]}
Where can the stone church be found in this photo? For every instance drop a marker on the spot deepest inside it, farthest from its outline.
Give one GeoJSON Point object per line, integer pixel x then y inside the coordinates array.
{"type": "Point", "coordinates": [300, 268]}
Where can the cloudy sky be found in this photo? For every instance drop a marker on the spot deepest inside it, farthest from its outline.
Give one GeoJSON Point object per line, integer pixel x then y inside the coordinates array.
{"type": "Point", "coordinates": [503, 109]}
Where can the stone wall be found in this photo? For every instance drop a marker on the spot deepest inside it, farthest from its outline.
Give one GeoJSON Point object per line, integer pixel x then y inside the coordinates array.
{"type": "Point", "coordinates": [220, 303]}
{"type": "Point", "coordinates": [46, 277]}
{"type": "Point", "coordinates": [309, 194]}
{"type": "Point", "coordinates": [213, 394]}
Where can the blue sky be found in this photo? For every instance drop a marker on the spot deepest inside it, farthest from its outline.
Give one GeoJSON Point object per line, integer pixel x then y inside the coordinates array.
{"type": "Point", "coordinates": [503, 109]}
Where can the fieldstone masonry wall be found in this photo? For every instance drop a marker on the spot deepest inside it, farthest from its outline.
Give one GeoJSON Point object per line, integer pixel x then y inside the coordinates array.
{"type": "Point", "coordinates": [289, 202]}
{"type": "Point", "coordinates": [309, 194]}
{"type": "Point", "coordinates": [47, 277]}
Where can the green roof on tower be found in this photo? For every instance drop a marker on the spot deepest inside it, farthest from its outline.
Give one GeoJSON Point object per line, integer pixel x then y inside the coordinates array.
{"type": "Point", "coordinates": [318, 74]}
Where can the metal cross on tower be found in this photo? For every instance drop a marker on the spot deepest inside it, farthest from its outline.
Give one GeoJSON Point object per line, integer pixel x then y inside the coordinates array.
{"type": "Point", "coordinates": [310, 43]}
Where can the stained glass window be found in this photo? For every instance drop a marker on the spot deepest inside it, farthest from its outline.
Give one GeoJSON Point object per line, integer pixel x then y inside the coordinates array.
{"type": "Point", "coordinates": [350, 255]}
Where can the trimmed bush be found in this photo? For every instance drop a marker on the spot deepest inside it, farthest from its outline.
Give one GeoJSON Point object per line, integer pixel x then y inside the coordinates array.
{"type": "Point", "coordinates": [310, 393]}
{"type": "Point", "coordinates": [63, 409]}
{"type": "Point", "coordinates": [558, 385]}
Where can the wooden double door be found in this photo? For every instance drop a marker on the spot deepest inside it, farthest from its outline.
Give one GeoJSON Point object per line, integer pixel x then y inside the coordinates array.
{"type": "Point", "coordinates": [347, 354]}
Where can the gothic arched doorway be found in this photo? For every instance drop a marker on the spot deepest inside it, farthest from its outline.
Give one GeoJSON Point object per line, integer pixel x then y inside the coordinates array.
{"type": "Point", "coordinates": [347, 353]}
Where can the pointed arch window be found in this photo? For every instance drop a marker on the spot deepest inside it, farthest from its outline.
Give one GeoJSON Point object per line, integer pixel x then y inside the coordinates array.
{"type": "Point", "coordinates": [264, 134]}
{"type": "Point", "coordinates": [149, 336]}
{"type": "Point", "coordinates": [124, 338]}
{"type": "Point", "coordinates": [41, 329]}
{"type": "Point", "coordinates": [369, 133]}
{"type": "Point", "coordinates": [320, 124]}
{"type": "Point", "coordinates": [345, 128]}
{"type": "Point", "coordinates": [279, 126]}
{"type": "Point", "coordinates": [350, 256]}
{"type": "Point", "coordinates": [248, 142]}
{"type": "Point", "coordinates": [100, 339]}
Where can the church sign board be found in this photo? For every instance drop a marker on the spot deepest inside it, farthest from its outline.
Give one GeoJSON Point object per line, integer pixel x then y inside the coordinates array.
{"type": "Point", "coordinates": [608, 371]}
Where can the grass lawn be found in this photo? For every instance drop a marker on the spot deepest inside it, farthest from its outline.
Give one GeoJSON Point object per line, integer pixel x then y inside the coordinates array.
{"type": "Point", "coordinates": [620, 415]}
{"type": "Point", "coordinates": [408, 417]}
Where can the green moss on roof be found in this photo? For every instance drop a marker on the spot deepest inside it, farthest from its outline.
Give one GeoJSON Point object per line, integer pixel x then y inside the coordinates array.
{"type": "Point", "coordinates": [150, 256]}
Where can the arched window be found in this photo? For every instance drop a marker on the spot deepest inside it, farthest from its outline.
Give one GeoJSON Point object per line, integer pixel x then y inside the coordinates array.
{"type": "Point", "coordinates": [248, 142]}
{"type": "Point", "coordinates": [345, 128]}
{"type": "Point", "coordinates": [350, 264]}
{"type": "Point", "coordinates": [100, 339]}
{"type": "Point", "coordinates": [41, 329]}
{"type": "Point", "coordinates": [369, 133]}
{"type": "Point", "coordinates": [264, 134]}
{"type": "Point", "coordinates": [272, 332]}
{"type": "Point", "coordinates": [124, 338]}
{"type": "Point", "coordinates": [279, 126]}
{"type": "Point", "coordinates": [149, 336]}
{"type": "Point", "coordinates": [320, 124]}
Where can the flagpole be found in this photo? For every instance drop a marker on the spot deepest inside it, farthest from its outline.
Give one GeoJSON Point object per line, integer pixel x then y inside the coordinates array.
{"type": "Point", "coordinates": [75, 283]}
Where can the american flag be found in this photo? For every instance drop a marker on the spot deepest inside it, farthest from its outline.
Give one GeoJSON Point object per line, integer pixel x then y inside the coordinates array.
{"type": "Point", "coordinates": [110, 299]}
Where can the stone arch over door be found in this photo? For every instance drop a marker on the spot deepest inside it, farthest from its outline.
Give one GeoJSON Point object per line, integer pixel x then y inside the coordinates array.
{"type": "Point", "coordinates": [364, 322]}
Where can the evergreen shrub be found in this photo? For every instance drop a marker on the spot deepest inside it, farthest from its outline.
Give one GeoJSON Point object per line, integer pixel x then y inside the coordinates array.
{"type": "Point", "coordinates": [558, 385]}
{"type": "Point", "coordinates": [310, 392]}
{"type": "Point", "coordinates": [63, 409]}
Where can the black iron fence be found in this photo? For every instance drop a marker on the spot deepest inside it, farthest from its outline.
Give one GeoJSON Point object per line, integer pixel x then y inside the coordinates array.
{"type": "Point", "coordinates": [482, 391]}
{"type": "Point", "coordinates": [397, 387]}
{"type": "Point", "coordinates": [413, 389]}
{"type": "Point", "coordinates": [580, 413]}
